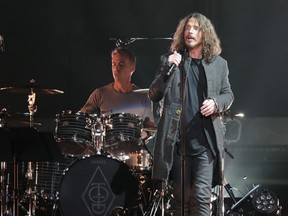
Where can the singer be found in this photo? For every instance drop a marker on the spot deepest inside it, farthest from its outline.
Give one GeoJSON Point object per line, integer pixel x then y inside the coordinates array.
{"type": "Point", "coordinates": [189, 141]}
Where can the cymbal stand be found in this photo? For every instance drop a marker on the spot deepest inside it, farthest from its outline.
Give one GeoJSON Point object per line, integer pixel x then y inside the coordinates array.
{"type": "Point", "coordinates": [4, 182]}
{"type": "Point", "coordinates": [154, 206]}
{"type": "Point", "coordinates": [97, 134]}
{"type": "Point", "coordinates": [32, 108]}
{"type": "Point", "coordinates": [15, 191]}
{"type": "Point", "coordinates": [160, 201]}
{"type": "Point", "coordinates": [29, 191]}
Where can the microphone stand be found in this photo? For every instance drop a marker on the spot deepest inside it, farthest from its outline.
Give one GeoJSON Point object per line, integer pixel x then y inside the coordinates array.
{"type": "Point", "coordinates": [182, 139]}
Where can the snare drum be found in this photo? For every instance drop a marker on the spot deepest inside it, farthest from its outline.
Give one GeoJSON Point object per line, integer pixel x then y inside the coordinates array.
{"type": "Point", "coordinates": [97, 185]}
{"type": "Point", "coordinates": [73, 133]}
{"type": "Point", "coordinates": [139, 161]}
{"type": "Point", "coordinates": [122, 133]}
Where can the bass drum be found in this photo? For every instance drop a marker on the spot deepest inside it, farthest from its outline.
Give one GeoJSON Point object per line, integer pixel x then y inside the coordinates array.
{"type": "Point", "coordinates": [97, 185]}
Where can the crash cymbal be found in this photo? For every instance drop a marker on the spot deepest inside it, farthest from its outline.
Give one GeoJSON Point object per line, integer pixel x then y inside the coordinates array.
{"type": "Point", "coordinates": [30, 88]}
{"type": "Point", "coordinates": [141, 90]}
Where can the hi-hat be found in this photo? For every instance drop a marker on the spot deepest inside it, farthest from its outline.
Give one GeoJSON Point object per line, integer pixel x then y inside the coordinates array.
{"type": "Point", "coordinates": [17, 119]}
{"type": "Point", "coordinates": [141, 90]}
{"type": "Point", "coordinates": [18, 122]}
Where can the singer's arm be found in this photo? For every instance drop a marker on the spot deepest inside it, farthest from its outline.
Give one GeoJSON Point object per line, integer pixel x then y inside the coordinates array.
{"type": "Point", "coordinates": [159, 84]}
{"type": "Point", "coordinates": [168, 65]}
{"type": "Point", "coordinates": [173, 61]}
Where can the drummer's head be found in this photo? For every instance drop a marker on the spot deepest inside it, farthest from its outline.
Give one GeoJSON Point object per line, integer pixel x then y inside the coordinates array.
{"type": "Point", "coordinates": [123, 62]}
{"type": "Point", "coordinates": [124, 51]}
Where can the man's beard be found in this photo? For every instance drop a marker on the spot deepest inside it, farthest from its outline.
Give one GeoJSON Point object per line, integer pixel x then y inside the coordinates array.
{"type": "Point", "coordinates": [193, 46]}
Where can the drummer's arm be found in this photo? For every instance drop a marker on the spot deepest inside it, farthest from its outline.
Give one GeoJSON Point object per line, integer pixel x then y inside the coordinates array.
{"type": "Point", "coordinates": [148, 129]}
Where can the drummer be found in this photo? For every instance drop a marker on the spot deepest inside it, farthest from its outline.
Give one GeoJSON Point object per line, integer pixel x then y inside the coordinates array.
{"type": "Point", "coordinates": [120, 96]}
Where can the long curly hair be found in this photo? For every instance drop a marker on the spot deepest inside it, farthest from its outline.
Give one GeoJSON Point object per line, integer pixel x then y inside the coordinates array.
{"type": "Point", "coordinates": [210, 40]}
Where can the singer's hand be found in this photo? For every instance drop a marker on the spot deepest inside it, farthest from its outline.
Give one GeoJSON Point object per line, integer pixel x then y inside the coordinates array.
{"type": "Point", "coordinates": [174, 58]}
{"type": "Point", "coordinates": [208, 107]}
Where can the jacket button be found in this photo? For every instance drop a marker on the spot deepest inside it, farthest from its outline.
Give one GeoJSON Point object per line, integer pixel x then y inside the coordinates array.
{"type": "Point", "coordinates": [178, 111]}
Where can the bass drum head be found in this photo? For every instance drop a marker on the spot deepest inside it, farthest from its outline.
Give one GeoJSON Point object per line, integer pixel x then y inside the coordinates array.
{"type": "Point", "coordinates": [96, 185]}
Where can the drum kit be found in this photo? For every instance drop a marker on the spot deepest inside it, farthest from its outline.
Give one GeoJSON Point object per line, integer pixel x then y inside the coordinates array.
{"type": "Point", "coordinates": [105, 166]}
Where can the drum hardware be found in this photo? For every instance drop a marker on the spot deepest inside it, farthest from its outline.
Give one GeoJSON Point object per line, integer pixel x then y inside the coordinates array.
{"type": "Point", "coordinates": [18, 119]}
{"type": "Point", "coordinates": [97, 131]}
{"type": "Point", "coordinates": [30, 192]}
{"type": "Point", "coordinates": [157, 199]}
{"type": "Point", "coordinates": [126, 41]}
{"type": "Point", "coordinates": [31, 89]}
{"type": "Point", "coordinates": [2, 45]}
{"type": "Point", "coordinates": [145, 191]}
{"type": "Point", "coordinates": [4, 182]}
{"type": "Point", "coordinates": [144, 142]}
{"type": "Point", "coordinates": [22, 143]}
{"type": "Point", "coordinates": [3, 116]}
{"type": "Point", "coordinates": [26, 137]}
{"type": "Point", "coordinates": [161, 201]}
{"type": "Point", "coordinates": [46, 176]}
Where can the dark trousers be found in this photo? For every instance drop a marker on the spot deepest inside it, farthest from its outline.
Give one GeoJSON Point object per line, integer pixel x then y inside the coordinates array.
{"type": "Point", "coordinates": [197, 184]}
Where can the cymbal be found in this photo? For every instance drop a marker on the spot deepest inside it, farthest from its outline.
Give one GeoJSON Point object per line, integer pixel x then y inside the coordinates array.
{"type": "Point", "coordinates": [141, 90]}
{"type": "Point", "coordinates": [19, 122]}
{"type": "Point", "coordinates": [4, 114]}
{"type": "Point", "coordinates": [28, 89]}
{"type": "Point", "coordinates": [16, 120]}
{"type": "Point", "coordinates": [230, 114]}
{"type": "Point", "coordinates": [151, 129]}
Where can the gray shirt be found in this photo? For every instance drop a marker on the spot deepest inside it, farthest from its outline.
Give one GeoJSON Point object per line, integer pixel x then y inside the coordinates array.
{"type": "Point", "coordinates": [105, 100]}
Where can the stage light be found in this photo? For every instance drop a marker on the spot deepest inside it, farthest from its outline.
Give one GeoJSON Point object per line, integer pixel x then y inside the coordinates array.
{"type": "Point", "coordinates": [265, 202]}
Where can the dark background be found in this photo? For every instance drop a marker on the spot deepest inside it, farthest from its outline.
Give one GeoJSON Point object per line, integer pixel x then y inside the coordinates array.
{"type": "Point", "coordinates": [66, 44]}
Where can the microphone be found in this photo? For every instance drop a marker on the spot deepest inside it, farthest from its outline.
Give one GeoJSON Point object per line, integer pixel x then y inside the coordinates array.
{"type": "Point", "coordinates": [171, 70]}
{"type": "Point", "coordinates": [173, 65]}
